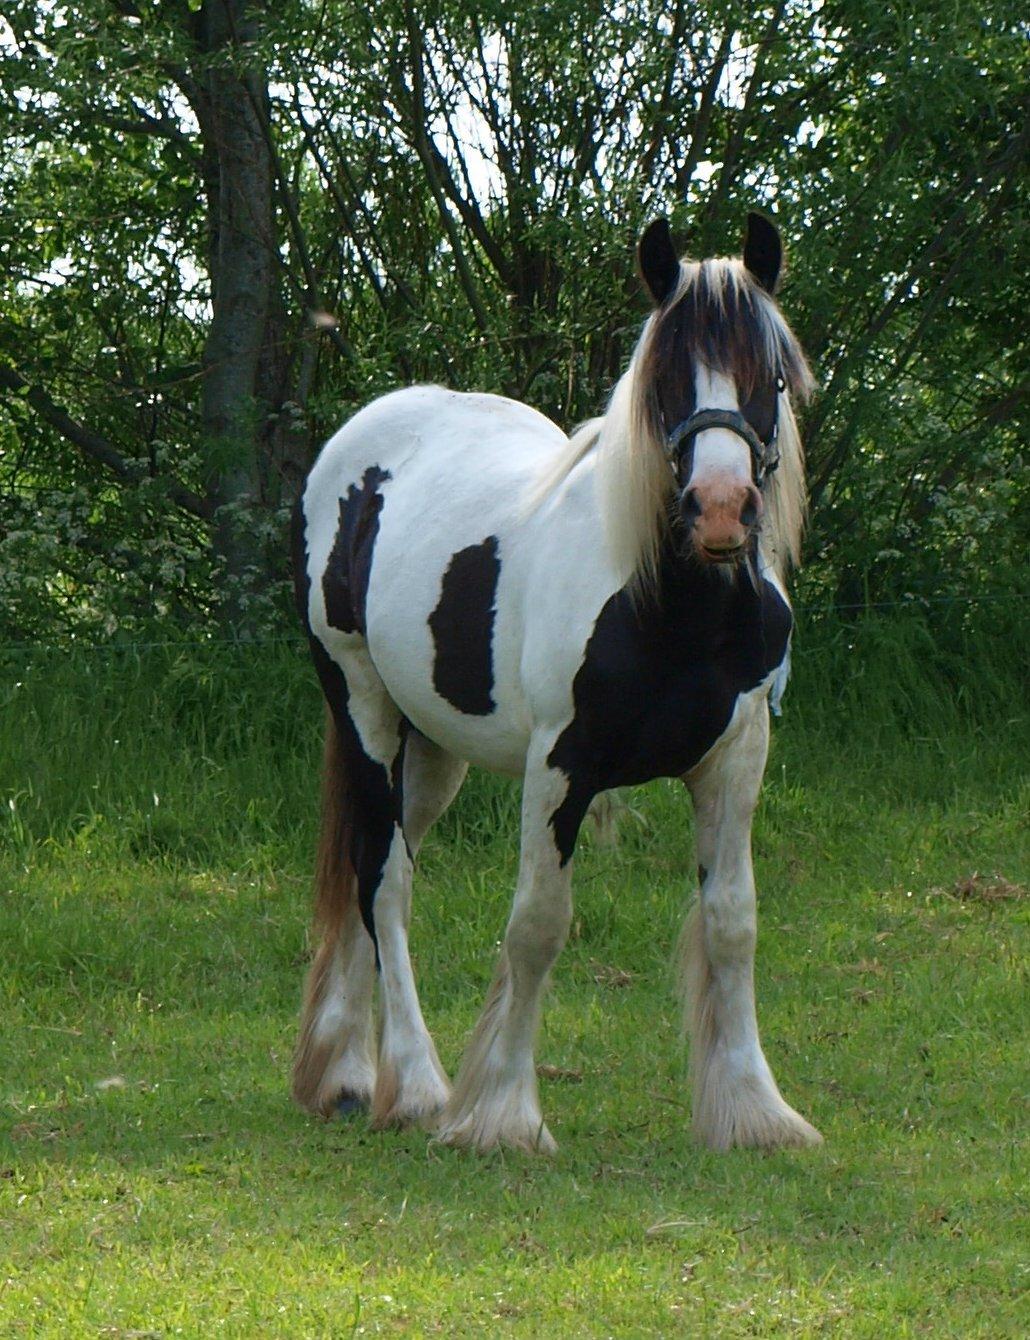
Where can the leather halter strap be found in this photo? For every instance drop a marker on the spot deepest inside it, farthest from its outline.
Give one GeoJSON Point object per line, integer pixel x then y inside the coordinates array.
{"type": "Point", "coordinates": [763, 454]}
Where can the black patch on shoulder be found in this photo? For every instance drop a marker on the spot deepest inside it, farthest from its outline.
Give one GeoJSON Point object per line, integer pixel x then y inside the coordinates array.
{"type": "Point", "coordinates": [658, 685]}
{"type": "Point", "coordinates": [702, 874]}
{"type": "Point", "coordinates": [345, 580]}
{"type": "Point", "coordinates": [463, 629]}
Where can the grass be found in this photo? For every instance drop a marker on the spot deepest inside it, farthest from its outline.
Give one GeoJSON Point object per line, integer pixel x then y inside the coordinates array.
{"type": "Point", "coordinates": [155, 1181]}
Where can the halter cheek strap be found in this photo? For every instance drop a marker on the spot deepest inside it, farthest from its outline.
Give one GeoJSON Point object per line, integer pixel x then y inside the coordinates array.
{"type": "Point", "coordinates": [763, 454]}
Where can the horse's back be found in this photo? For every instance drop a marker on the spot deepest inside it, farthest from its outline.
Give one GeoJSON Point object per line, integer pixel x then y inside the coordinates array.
{"type": "Point", "coordinates": [477, 430]}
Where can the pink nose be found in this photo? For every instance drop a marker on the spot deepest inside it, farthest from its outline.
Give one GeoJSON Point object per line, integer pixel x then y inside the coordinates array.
{"type": "Point", "coordinates": [722, 512]}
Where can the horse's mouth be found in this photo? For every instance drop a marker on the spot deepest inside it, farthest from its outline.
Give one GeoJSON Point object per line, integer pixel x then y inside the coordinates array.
{"type": "Point", "coordinates": [733, 555]}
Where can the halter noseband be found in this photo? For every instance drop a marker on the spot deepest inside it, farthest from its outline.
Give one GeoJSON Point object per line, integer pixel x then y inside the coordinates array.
{"type": "Point", "coordinates": [764, 455]}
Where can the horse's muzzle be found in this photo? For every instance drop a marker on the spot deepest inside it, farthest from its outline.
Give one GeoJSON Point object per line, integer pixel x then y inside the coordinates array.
{"type": "Point", "coordinates": [720, 518]}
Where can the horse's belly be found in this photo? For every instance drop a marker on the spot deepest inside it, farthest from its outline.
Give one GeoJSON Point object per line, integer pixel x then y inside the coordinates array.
{"type": "Point", "coordinates": [404, 657]}
{"type": "Point", "coordinates": [444, 629]}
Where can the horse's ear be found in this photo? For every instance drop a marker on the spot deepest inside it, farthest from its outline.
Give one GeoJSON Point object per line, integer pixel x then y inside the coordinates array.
{"type": "Point", "coordinates": [659, 264]}
{"type": "Point", "coordinates": [763, 251]}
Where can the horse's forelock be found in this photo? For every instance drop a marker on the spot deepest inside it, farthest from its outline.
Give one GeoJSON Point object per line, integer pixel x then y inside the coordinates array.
{"type": "Point", "coordinates": [721, 317]}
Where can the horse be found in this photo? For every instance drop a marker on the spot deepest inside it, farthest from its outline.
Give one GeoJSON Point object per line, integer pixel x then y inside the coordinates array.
{"type": "Point", "coordinates": [585, 612]}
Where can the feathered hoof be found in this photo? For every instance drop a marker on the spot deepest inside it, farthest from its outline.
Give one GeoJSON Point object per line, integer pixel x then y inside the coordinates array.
{"type": "Point", "coordinates": [332, 1079]}
{"type": "Point", "coordinates": [404, 1115]}
{"type": "Point", "coordinates": [483, 1130]}
{"type": "Point", "coordinates": [333, 1103]}
{"type": "Point", "coordinates": [416, 1101]}
{"type": "Point", "coordinates": [749, 1126]}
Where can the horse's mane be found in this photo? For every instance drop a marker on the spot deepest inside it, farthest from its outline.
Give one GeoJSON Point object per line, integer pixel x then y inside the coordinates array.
{"type": "Point", "coordinates": [721, 316]}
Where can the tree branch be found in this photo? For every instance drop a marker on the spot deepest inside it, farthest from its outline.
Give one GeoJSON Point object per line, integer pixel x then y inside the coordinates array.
{"type": "Point", "coordinates": [735, 143]}
{"type": "Point", "coordinates": [660, 124]}
{"type": "Point", "coordinates": [982, 182]}
{"type": "Point", "coordinates": [312, 289]}
{"type": "Point", "coordinates": [345, 211]}
{"type": "Point", "coordinates": [428, 156]}
{"type": "Point", "coordinates": [703, 117]}
{"type": "Point", "coordinates": [94, 446]}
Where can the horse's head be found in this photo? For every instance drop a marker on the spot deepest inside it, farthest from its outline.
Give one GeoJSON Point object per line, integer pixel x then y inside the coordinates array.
{"type": "Point", "coordinates": [718, 362]}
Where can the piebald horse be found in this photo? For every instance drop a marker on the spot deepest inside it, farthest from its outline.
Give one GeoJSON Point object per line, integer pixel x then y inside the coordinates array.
{"type": "Point", "coordinates": [586, 613]}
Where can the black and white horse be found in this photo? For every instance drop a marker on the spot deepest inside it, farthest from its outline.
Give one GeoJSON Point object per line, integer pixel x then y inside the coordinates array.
{"type": "Point", "coordinates": [585, 613]}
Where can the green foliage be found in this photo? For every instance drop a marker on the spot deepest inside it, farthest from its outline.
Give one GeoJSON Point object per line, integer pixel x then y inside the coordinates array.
{"type": "Point", "coordinates": [460, 187]}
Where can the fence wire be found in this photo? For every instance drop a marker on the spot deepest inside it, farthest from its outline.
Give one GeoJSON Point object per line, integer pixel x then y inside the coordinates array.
{"type": "Point", "coordinates": [243, 644]}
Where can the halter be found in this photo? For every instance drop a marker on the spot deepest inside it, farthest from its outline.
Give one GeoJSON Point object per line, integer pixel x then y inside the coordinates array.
{"type": "Point", "coordinates": [764, 455]}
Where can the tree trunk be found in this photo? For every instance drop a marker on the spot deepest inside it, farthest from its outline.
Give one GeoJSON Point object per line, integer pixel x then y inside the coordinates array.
{"type": "Point", "coordinates": [244, 356]}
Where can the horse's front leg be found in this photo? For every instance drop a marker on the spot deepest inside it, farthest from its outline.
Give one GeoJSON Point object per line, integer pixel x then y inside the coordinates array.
{"type": "Point", "coordinates": [735, 1098]}
{"type": "Point", "coordinates": [495, 1099]}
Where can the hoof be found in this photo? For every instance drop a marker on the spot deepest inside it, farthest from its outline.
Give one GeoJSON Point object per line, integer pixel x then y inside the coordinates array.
{"type": "Point", "coordinates": [414, 1110]}
{"type": "Point", "coordinates": [478, 1131]}
{"type": "Point", "coordinates": [342, 1086]}
{"type": "Point", "coordinates": [417, 1099]}
{"type": "Point", "coordinates": [776, 1126]}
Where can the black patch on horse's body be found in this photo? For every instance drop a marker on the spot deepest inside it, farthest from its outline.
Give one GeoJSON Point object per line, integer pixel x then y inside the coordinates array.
{"type": "Point", "coordinates": [345, 580]}
{"type": "Point", "coordinates": [375, 794]}
{"type": "Point", "coordinates": [463, 629]}
{"type": "Point", "coordinates": [299, 558]}
{"type": "Point", "coordinates": [702, 873]}
{"type": "Point", "coordinates": [658, 685]}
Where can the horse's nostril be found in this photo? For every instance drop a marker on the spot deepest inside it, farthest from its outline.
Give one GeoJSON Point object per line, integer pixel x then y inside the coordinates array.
{"type": "Point", "coordinates": [690, 505]}
{"type": "Point", "coordinates": [752, 509]}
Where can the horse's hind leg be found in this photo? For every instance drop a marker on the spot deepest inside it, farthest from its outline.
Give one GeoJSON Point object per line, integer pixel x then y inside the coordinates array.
{"type": "Point", "coordinates": [408, 1083]}
{"type": "Point", "coordinates": [411, 1085]}
{"type": "Point", "coordinates": [735, 1098]}
{"type": "Point", "coordinates": [432, 778]}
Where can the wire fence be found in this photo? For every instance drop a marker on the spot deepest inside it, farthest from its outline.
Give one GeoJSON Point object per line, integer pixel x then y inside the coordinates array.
{"type": "Point", "coordinates": [114, 646]}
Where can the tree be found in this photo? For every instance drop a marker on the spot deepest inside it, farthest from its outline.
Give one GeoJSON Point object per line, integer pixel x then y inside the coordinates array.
{"type": "Point", "coordinates": [179, 106]}
{"type": "Point", "coordinates": [231, 222]}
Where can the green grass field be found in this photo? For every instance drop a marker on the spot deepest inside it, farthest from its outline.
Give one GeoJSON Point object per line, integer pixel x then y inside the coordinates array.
{"type": "Point", "coordinates": [158, 826]}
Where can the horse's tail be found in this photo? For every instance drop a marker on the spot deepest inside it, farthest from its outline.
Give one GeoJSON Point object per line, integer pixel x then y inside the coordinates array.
{"type": "Point", "coordinates": [336, 908]}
